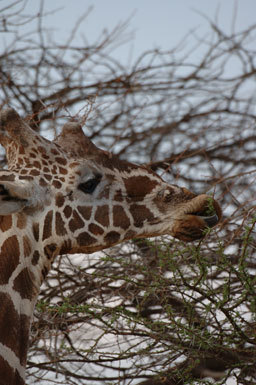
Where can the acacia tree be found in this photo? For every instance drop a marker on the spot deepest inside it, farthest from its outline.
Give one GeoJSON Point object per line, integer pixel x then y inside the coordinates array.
{"type": "Point", "coordinates": [151, 311]}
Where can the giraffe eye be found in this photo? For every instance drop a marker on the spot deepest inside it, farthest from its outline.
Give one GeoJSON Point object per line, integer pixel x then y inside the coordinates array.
{"type": "Point", "coordinates": [89, 186]}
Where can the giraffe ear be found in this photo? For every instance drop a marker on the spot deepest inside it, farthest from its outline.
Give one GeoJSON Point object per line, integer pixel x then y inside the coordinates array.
{"type": "Point", "coordinates": [11, 198]}
{"type": "Point", "coordinates": [17, 137]}
{"type": "Point", "coordinates": [75, 142]}
{"type": "Point", "coordinates": [13, 128]}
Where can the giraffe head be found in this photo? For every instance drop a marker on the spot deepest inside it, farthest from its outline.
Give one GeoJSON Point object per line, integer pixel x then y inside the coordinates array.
{"type": "Point", "coordinates": [78, 198]}
{"type": "Point", "coordinates": [68, 196]}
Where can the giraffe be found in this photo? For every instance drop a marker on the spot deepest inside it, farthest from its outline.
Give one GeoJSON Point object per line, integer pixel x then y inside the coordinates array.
{"type": "Point", "coordinates": [68, 196]}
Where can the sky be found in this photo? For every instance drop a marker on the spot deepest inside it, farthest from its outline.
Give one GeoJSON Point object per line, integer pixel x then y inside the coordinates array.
{"type": "Point", "coordinates": [152, 23]}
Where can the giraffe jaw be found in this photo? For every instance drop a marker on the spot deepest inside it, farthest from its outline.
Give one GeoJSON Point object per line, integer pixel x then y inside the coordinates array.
{"type": "Point", "coordinates": [20, 194]}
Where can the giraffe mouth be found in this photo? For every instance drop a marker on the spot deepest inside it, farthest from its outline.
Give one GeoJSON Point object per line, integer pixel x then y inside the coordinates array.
{"type": "Point", "coordinates": [198, 216]}
{"type": "Point", "coordinates": [211, 216]}
{"type": "Point", "coordinates": [205, 208]}
{"type": "Point", "coordinates": [210, 220]}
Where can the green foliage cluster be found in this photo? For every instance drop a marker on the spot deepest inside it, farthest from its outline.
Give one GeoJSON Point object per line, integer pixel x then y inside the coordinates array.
{"type": "Point", "coordinates": [189, 311]}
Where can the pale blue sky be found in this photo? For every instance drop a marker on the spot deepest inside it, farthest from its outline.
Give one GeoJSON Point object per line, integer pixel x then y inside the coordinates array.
{"type": "Point", "coordinates": [153, 24]}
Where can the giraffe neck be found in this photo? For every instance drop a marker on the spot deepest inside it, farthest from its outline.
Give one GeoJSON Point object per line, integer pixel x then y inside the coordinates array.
{"type": "Point", "coordinates": [14, 329]}
{"type": "Point", "coordinates": [17, 299]}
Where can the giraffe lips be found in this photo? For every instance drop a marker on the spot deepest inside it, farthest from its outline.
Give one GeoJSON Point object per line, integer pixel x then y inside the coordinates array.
{"type": "Point", "coordinates": [211, 221]}
{"type": "Point", "coordinates": [199, 216]}
{"type": "Point", "coordinates": [207, 209]}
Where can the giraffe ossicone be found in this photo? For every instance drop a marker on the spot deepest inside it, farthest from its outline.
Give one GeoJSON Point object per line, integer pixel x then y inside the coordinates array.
{"type": "Point", "coordinates": [68, 196]}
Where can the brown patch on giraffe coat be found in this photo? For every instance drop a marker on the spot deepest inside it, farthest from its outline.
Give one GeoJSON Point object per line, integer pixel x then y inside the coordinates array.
{"type": "Point", "coordinates": [73, 165]}
{"type": "Point", "coordinates": [76, 222]}
{"type": "Point", "coordinates": [139, 186]}
{"type": "Point", "coordinates": [23, 284]}
{"type": "Point", "coordinates": [21, 150]}
{"type": "Point", "coordinates": [102, 215]}
{"type": "Point", "coordinates": [7, 178]}
{"type": "Point", "coordinates": [54, 151]}
{"type": "Point", "coordinates": [14, 329]}
{"type": "Point", "coordinates": [85, 211]}
{"type": "Point", "coordinates": [95, 229]}
{"type": "Point", "coordinates": [112, 162]}
{"type": "Point", "coordinates": [5, 222]}
{"type": "Point", "coordinates": [26, 246]}
{"type": "Point", "coordinates": [8, 376]}
{"type": "Point", "coordinates": [120, 218]}
{"type": "Point", "coordinates": [62, 161]}
{"type": "Point", "coordinates": [60, 225]}
{"type": "Point", "coordinates": [54, 169]}
{"type": "Point", "coordinates": [25, 177]}
{"type": "Point", "coordinates": [118, 196]}
{"type": "Point", "coordinates": [140, 214]}
{"type": "Point", "coordinates": [112, 237]}
{"type": "Point", "coordinates": [42, 150]}
{"type": "Point", "coordinates": [34, 172]}
{"type": "Point", "coordinates": [32, 155]}
{"type": "Point", "coordinates": [85, 239]}
{"type": "Point", "coordinates": [37, 164]}
{"type": "Point", "coordinates": [35, 230]}
{"type": "Point", "coordinates": [35, 257]}
{"type": "Point", "coordinates": [59, 200]}
{"type": "Point", "coordinates": [57, 184]}
{"type": "Point", "coordinates": [68, 211]}
{"type": "Point", "coordinates": [48, 177]}
{"type": "Point", "coordinates": [9, 260]}
{"type": "Point", "coordinates": [63, 170]}
{"type": "Point", "coordinates": [21, 221]}
{"type": "Point", "coordinates": [20, 161]}
{"type": "Point", "coordinates": [47, 232]}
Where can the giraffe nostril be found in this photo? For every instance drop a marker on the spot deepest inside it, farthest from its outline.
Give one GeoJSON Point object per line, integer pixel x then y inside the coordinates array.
{"type": "Point", "coordinates": [167, 194]}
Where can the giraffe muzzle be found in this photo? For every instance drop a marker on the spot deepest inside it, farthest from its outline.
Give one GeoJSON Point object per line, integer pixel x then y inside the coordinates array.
{"type": "Point", "coordinates": [200, 213]}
